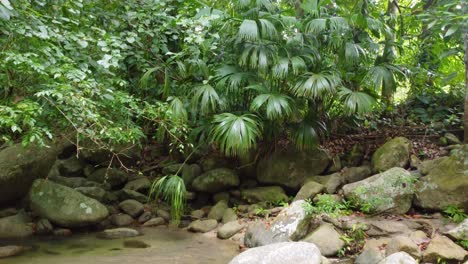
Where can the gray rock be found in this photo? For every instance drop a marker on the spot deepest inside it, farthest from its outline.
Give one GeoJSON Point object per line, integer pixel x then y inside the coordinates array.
{"type": "Point", "coordinates": [114, 177]}
{"type": "Point", "coordinates": [189, 173]}
{"type": "Point", "coordinates": [331, 182]}
{"type": "Point", "coordinates": [157, 221]}
{"type": "Point", "coordinates": [442, 247]}
{"type": "Point", "coordinates": [15, 227]}
{"type": "Point", "coordinates": [197, 214]}
{"type": "Point", "coordinates": [264, 194]}
{"type": "Point", "coordinates": [354, 174]}
{"type": "Point", "coordinates": [132, 207]}
{"type": "Point", "coordinates": [229, 216]}
{"type": "Point", "coordinates": [135, 244]}
{"type": "Point", "coordinates": [460, 232]}
{"type": "Point", "coordinates": [217, 211]}
{"type": "Point", "coordinates": [289, 168]}
{"type": "Point", "coordinates": [394, 153]}
{"type": "Point", "coordinates": [221, 196]}
{"type": "Point", "coordinates": [164, 214]}
{"type": "Point", "coordinates": [72, 182]}
{"type": "Point", "coordinates": [65, 206]}
{"type": "Point", "coordinates": [259, 234]}
{"type": "Point", "coordinates": [309, 190]}
{"type": "Point", "coordinates": [216, 180]}
{"type": "Point", "coordinates": [280, 253]}
{"type": "Point", "coordinates": [20, 166]}
{"type": "Point", "coordinates": [126, 194]}
{"type": "Point", "coordinates": [10, 251]}
{"type": "Point", "coordinates": [172, 169]}
{"type": "Point", "coordinates": [141, 184]}
{"type": "Point", "coordinates": [44, 227]}
{"type": "Point", "coordinates": [403, 244]}
{"type": "Point", "coordinates": [116, 233]}
{"type": "Point", "coordinates": [399, 258]}
{"type": "Point", "coordinates": [145, 216]}
{"type": "Point", "coordinates": [369, 256]}
{"type": "Point", "coordinates": [62, 232]}
{"type": "Point", "coordinates": [335, 164]}
{"type": "Point", "coordinates": [71, 167]}
{"type": "Point", "coordinates": [121, 220]}
{"type": "Point", "coordinates": [390, 191]}
{"type": "Point", "coordinates": [202, 226]}
{"type": "Point", "coordinates": [327, 239]}
{"type": "Point", "coordinates": [93, 192]}
{"type": "Point", "coordinates": [229, 229]}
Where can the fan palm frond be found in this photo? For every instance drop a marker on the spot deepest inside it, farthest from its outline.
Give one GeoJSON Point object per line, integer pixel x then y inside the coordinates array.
{"type": "Point", "coordinates": [316, 26]}
{"type": "Point", "coordinates": [248, 30]}
{"type": "Point", "coordinates": [315, 85]}
{"type": "Point", "coordinates": [206, 98]}
{"type": "Point", "coordinates": [236, 135]}
{"type": "Point", "coordinates": [177, 108]}
{"type": "Point", "coordinates": [267, 29]}
{"type": "Point", "coordinates": [276, 105]}
{"type": "Point", "coordinates": [304, 136]}
{"type": "Point", "coordinates": [354, 52]}
{"type": "Point", "coordinates": [232, 77]}
{"type": "Point", "coordinates": [356, 102]}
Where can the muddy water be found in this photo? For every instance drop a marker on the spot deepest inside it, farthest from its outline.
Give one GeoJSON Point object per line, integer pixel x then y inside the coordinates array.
{"type": "Point", "coordinates": [167, 245]}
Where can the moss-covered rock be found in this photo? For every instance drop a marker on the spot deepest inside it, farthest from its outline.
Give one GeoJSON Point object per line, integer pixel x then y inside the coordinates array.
{"type": "Point", "coordinates": [445, 183]}
{"type": "Point", "coordinates": [309, 190]}
{"type": "Point", "coordinates": [395, 153]}
{"type": "Point", "coordinates": [264, 194]}
{"type": "Point", "coordinates": [115, 177]}
{"type": "Point", "coordinates": [216, 180]}
{"type": "Point", "coordinates": [390, 191]}
{"type": "Point", "coordinates": [20, 166]}
{"type": "Point", "coordinates": [65, 206]}
{"type": "Point", "coordinates": [289, 168]}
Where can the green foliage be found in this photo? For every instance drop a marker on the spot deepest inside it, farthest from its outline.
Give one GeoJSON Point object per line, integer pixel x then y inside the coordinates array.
{"type": "Point", "coordinates": [354, 239]}
{"type": "Point", "coordinates": [464, 244]}
{"type": "Point", "coordinates": [170, 188]}
{"type": "Point", "coordinates": [455, 214]}
{"type": "Point", "coordinates": [327, 204]}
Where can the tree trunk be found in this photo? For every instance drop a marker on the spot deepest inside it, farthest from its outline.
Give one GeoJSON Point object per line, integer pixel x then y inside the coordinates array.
{"type": "Point", "coordinates": [389, 52]}
{"type": "Point", "coordinates": [465, 116]}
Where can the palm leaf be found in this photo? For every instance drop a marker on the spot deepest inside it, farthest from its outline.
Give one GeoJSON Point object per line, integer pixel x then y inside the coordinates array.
{"type": "Point", "coordinates": [353, 52]}
{"type": "Point", "coordinates": [316, 26]}
{"type": "Point", "coordinates": [316, 85]}
{"type": "Point", "coordinates": [235, 135]}
{"type": "Point", "coordinates": [170, 188]}
{"type": "Point", "coordinates": [268, 30]}
{"type": "Point", "coordinates": [304, 136]}
{"type": "Point", "coordinates": [248, 30]}
{"type": "Point", "coordinates": [356, 102]}
{"type": "Point", "coordinates": [206, 98]}
{"type": "Point", "coordinates": [177, 108]}
{"type": "Point", "coordinates": [276, 105]}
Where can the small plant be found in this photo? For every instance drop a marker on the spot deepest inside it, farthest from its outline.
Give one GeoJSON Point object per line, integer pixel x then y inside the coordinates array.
{"type": "Point", "coordinates": [327, 204]}
{"type": "Point", "coordinates": [464, 244]}
{"type": "Point", "coordinates": [261, 211]}
{"type": "Point", "coordinates": [455, 214]}
{"type": "Point", "coordinates": [354, 240]}
{"type": "Point", "coordinates": [170, 188]}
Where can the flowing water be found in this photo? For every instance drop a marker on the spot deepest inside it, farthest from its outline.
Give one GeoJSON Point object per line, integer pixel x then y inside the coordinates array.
{"type": "Point", "coordinates": [167, 245]}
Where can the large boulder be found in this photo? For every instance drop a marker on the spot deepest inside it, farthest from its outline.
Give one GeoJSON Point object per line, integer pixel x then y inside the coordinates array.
{"type": "Point", "coordinates": [395, 153]}
{"type": "Point", "coordinates": [442, 247]}
{"type": "Point", "coordinates": [292, 223]}
{"type": "Point", "coordinates": [446, 182]}
{"type": "Point", "coordinates": [280, 253]}
{"type": "Point", "coordinates": [217, 211]}
{"type": "Point", "coordinates": [216, 180]}
{"type": "Point", "coordinates": [20, 166]}
{"type": "Point", "coordinates": [354, 174]}
{"type": "Point", "coordinates": [289, 168]}
{"type": "Point", "coordinates": [264, 194]}
{"type": "Point", "coordinates": [327, 239]}
{"type": "Point", "coordinates": [390, 191]}
{"type": "Point", "coordinates": [64, 206]}
{"type": "Point", "coordinates": [229, 229]}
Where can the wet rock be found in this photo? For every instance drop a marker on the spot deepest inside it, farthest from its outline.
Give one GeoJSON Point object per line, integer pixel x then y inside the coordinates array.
{"type": "Point", "coordinates": [20, 166]}
{"type": "Point", "coordinates": [216, 180]}
{"type": "Point", "coordinates": [62, 232]}
{"type": "Point", "coordinates": [460, 232]}
{"type": "Point", "coordinates": [403, 244]}
{"type": "Point", "coordinates": [141, 185]}
{"type": "Point", "coordinates": [71, 167]}
{"type": "Point", "coordinates": [394, 153]}
{"type": "Point", "coordinates": [442, 247]}
{"type": "Point", "coordinates": [217, 211]}
{"type": "Point", "coordinates": [202, 226]}
{"type": "Point", "coordinates": [264, 194]}
{"type": "Point", "coordinates": [229, 229]}
{"type": "Point", "coordinates": [289, 168]}
{"type": "Point", "coordinates": [116, 233]}
{"type": "Point", "coordinates": [115, 177]}
{"type": "Point", "coordinates": [65, 206]}
{"type": "Point", "coordinates": [280, 253]}
{"type": "Point", "coordinates": [390, 191]}
{"type": "Point", "coordinates": [157, 221]}
{"type": "Point", "coordinates": [10, 251]}
{"type": "Point", "coordinates": [445, 183]}
{"type": "Point", "coordinates": [44, 227]}
{"type": "Point", "coordinates": [132, 207]}
{"type": "Point", "coordinates": [145, 216]}
{"type": "Point", "coordinates": [121, 220]}
{"type": "Point", "coordinates": [164, 214]}
{"type": "Point", "coordinates": [197, 214]}
{"type": "Point", "coordinates": [354, 174]}
{"type": "Point", "coordinates": [93, 192]}
{"type": "Point", "coordinates": [15, 226]}
{"type": "Point", "coordinates": [229, 216]}
{"type": "Point", "coordinates": [135, 244]}
{"type": "Point", "coordinates": [309, 190]}
{"type": "Point", "coordinates": [399, 258]}
{"type": "Point", "coordinates": [327, 239]}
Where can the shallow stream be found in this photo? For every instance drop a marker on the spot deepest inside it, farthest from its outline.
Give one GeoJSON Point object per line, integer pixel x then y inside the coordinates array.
{"type": "Point", "coordinates": [171, 246]}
